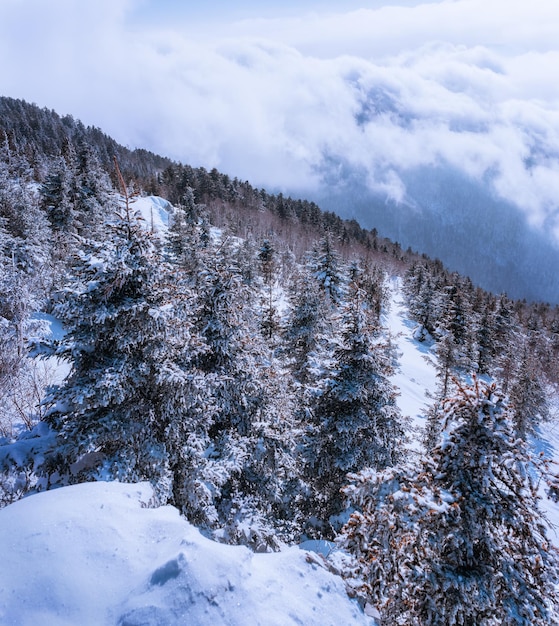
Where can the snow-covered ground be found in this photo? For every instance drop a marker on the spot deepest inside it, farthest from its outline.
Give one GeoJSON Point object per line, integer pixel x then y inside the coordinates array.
{"type": "Point", "coordinates": [97, 554]}
{"type": "Point", "coordinates": [154, 210]}
{"type": "Point", "coordinates": [415, 374]}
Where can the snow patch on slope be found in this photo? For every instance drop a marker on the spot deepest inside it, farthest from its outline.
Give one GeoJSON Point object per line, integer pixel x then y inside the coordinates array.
{"type": "Point", "coordinates": [547, 444]}
{"type": "Point", "coordinates": [415, 374]}
{"type": "Point", "coordinates": [415, 378]}
{"type": "Point", "coordinates": [155, 210]}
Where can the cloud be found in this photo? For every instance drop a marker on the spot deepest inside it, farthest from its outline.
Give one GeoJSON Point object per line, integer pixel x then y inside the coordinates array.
{"type": "Point", "coordinates": [466, 84]}
{"type": "Point", "coordinates": [508, 25]}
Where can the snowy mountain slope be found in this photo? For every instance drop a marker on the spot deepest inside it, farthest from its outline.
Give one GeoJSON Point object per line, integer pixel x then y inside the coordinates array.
{"type": "Point", "coordinates": [415, 378]}
{"type": "Point", "coordinates": [95, 554]}
{"type": "Point", "coordinates": [548, 445]}
{"type": "Point", "coordinates": [414, 374]}
{"type": "Point", "coordinates": [440, 215]}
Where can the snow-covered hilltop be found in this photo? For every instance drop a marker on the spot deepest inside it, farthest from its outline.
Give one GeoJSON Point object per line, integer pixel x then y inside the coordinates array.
{"type": "Point", "coordinates": [97, 554]}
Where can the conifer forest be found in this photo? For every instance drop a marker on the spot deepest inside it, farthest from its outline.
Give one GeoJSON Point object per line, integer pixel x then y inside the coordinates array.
{"type": "Point", "coordinates": [239, 359]}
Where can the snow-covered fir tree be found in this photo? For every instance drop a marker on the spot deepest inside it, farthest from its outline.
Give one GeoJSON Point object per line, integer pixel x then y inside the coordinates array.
{"type": "Point", "coordinates": [245, 439]}
{"type": "Point", "coordinates": [306, 326]}
{"type": "Point", "coordinates": [15, 304]}
{"type": "Point", "coordinates": [527, 395]}
{"type": "Point", "coordinates": [268, 264]}
{"type": "Point", "coordinates": [57, 196]}
{"type": "Point", "coordinates": [457, 539]}
{"type": "Point", "coordinates": [325, 264]}
{"type": "Point", "coordinates": [112, 411]}
{"type": "Point", "coordinates": [353, 418]}
{"type": "Point", "coordinates": [187, 236]}
{"type": "Point", "coordinates": [424, 300]}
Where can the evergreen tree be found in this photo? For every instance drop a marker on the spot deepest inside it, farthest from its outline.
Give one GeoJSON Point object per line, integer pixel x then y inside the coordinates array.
{"type": "Point", "coordinates": [452, 340]}
{"type": "Point", "coordinates": [306, 326]}
{"type": "Point", "coordinates": [57, 193]}
{"type": "Point", "coordinates": [434, 422]}
{"type": "Point", "coordinates": [186, 236]}
{"type": "Point", "coordinates": [241, 435]}
{"type": "Point", "coordinates": [25, 222]}
{"type": "Point", "coordinates": [527, 396]}
{"type": "Point", "coordinates": [484, 340]}
{"type": "Point", "coordinates": [458, 540]}
{"type": "Point", "coordinates": [93, 196]}
{"type": "Point", "coordinates": [373, 282]}
{"type": "Point", "coordinates": [325, 265]}
{"type": "Point", "coordinates": [424, 300]}
{"type": "Point", "coordinates": [15, 303]}
{"type": "Point", "coordinates": [505, 340]}
{"type": "Point", "coordinates": [112, 411]}
{"type": "Point", "coordinates": [267, 259]}
{"type": "Point", "coordinates": [354, 420]}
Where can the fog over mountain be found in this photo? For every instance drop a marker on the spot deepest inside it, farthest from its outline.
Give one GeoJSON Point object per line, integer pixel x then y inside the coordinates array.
{"type": "Point", "coordinates": [451, 216]}
{"type": "Point", "coordinates": [437, 123]}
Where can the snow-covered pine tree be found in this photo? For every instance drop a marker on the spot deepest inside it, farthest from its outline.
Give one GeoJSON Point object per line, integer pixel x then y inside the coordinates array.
{"type": "Point", "coordinates": [57, 196]}
{"type": "Point", "coordinates": [248, 449]}
{"type": "Point", "coordinates": [25, 221]}
{"type": "Point", "coordinates": [423, 298]}
{"type": "Point", "coordinates": [186, 236]}
{"type": "Point", "coordinates": [306, 324]}
{"type": "Point", "coordinates": [353, 418]}
{"type": "Point", "coordinates": [14, 312]}
{"type": "Point", "coordinates": [325, 264]}
{"type": "Point", "coordinates": [484, 338]}
{"type": "Point", "coordinates": [268, 265]}
{"type": "Point", "coordinates": [113, 410]}
{"type": "Point", "coordinates": [452, 345]}
{"type": "Point", "coordinates": [24, 280]}
{"type": "Point", "coordinates": [373, 282]}
{"type": "Point", "coordinates": [93, 197]}
{"type": "Point", "coordinates": [274, 463]}
{"type": "Point", "coordinates": [189, 407]}
{"type": "Point", "coordinates": [434, 422]}
{"type": "Point", "coordinates": [458, 539]}
{"type": "Point", "coordinates": [505, 338]}
{"type": "Point", "coordinates": [527, 396]}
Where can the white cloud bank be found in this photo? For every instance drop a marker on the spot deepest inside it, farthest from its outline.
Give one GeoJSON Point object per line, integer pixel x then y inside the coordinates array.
{"type": "Point", "coordinates": [469, 83]}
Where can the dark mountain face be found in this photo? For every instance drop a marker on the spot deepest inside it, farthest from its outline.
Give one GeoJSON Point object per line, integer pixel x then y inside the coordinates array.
{"type": "Point", "coordinates": [458, 220]}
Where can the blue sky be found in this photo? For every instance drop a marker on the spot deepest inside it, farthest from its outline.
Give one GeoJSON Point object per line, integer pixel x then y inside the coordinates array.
{"type": "Point", "coordinates": [270, 95]}
{"type": "Point", "coordinates": [167, 11]}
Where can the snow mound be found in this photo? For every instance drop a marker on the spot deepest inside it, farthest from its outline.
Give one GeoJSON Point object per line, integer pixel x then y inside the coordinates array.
{"type": "Point", "coordinates": [155, 211]}
{"type": "Point", "coordinates": [96, 554]}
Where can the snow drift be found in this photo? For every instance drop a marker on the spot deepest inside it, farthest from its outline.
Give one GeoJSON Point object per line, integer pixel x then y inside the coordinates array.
{"type": "Point", "coordinates": [97, 553]}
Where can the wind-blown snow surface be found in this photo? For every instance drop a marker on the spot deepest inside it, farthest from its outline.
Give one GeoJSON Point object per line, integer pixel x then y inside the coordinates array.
{"type": "Point", "coordinates": [96, 554]}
